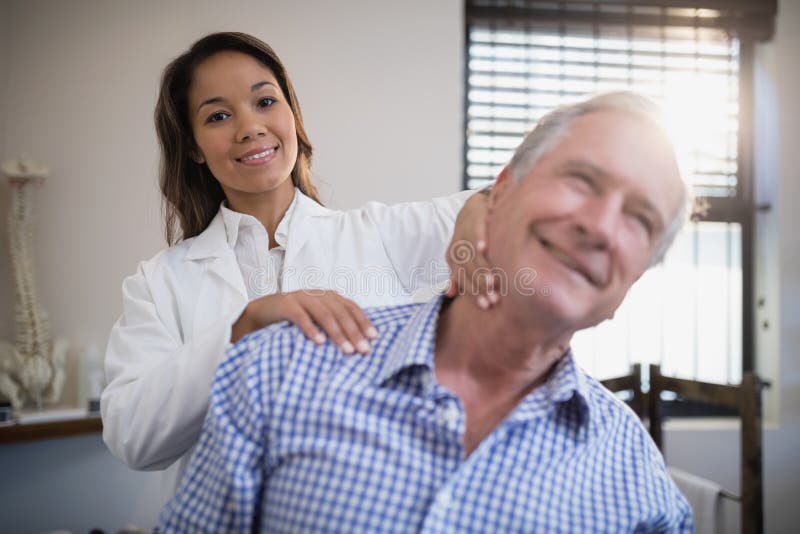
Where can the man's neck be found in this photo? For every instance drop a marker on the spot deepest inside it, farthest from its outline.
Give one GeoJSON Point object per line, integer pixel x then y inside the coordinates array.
{"type": "Point", "coordinates": [491, 360]}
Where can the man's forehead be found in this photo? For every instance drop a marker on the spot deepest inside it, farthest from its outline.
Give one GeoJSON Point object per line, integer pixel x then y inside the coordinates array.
{"type": "Point", "coordinates": [622, 147]}
{"type": "Point", "coordinates": [616, 122]}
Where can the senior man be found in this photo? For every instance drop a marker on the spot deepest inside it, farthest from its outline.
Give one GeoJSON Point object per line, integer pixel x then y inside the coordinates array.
{"type": "Point", "coordinates": [464, 420]}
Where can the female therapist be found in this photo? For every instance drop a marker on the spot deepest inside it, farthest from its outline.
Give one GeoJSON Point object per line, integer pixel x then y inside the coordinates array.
{"type": "Point", "coordinates": [235, 177]}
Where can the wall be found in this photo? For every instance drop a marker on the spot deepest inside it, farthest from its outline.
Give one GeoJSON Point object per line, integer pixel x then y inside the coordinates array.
{"type": "Point", "coordinates": [6, 289]}
{"type": "Point", "coordinates": [82, 77]}
{"type": "Point", "coordinates": [380, 86]}
{"type": "Point", "coordinates": [783, 446]}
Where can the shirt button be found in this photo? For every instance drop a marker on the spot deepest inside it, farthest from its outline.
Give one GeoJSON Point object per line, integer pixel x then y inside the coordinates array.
{"type": "Point", "coordinates": [444, 499]}
{"type": "Point", "coordinates": [450, 415]}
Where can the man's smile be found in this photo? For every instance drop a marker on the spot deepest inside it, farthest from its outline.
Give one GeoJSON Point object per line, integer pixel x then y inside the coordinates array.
{"type": "Point", "coordinates": [585, 270]}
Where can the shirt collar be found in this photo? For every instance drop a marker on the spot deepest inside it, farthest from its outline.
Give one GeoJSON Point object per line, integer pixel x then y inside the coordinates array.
{"type": "Point", "coordinates": [282, 231]}
{"type": "Point", "coordinates": [567, 386]}
{"type": "Point", "coordinates": [415, 342]}
{"type": "Point", "coordinates": [235, 221]}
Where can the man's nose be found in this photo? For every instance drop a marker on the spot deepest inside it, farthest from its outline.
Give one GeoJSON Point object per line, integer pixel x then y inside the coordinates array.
{"type": "Point", "coordinates": [249, 126]}
{"type": "Point", "coordinates": [598, 221]}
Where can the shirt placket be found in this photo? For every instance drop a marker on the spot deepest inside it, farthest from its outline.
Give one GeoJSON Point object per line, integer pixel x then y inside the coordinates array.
{"type": "Point", "coordinates": [266, 262]}
{"type": "Point", "coordinates": [445, 414]}
{"type": "Point", "coordinates": [452, 502]}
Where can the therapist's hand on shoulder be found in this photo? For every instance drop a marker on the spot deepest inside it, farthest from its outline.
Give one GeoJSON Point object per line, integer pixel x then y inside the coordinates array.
{"type": "Point", "coordinates": [340, 318]}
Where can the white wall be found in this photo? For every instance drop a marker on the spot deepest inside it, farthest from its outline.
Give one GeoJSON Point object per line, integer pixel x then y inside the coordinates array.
{"type": "Point", "coordinates": [381, 91]}
{"type": "Point", "coordinates": [6, 290]}
{"type": "Point", "coordinates": [380, 83]}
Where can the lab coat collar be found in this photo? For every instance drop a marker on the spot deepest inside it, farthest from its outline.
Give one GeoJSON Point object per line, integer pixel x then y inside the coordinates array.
{"type": "Point", "coordinates": [235, 221]}
{"type": "Point", "coordinates": [312, 207]}
{"type": "Point", "coordinates": [302, 225]}
{"type": "Point", "coordinates": [212, 246]}
{"type": "Point", "coordinates": [213, 241]}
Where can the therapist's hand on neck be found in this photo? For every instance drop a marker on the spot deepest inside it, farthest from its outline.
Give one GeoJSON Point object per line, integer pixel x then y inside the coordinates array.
{"type": "Point", "coordinates": [338, 317]}
{"type": "Point", "coordinates": [470, 272]}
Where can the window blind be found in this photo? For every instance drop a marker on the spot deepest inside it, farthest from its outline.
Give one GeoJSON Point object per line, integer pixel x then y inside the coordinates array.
{"type": "Point", "coordinates": [524, 57]}
{"type": "Point", "coordinates": [516, 73]}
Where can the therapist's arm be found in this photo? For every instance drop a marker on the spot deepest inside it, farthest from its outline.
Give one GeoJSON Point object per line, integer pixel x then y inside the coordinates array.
{"type": "Point", "coordinates": [416, 236]}
{"type": "Point", "coordinates": [158, 383]}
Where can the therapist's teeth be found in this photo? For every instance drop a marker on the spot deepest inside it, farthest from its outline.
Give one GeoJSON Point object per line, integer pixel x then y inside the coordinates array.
{"type": "Point", "coordinates": [259, 155]}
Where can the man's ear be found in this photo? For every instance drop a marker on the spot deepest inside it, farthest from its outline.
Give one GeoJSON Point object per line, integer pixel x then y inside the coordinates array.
{"type": "Point", "coordinates": [500, 187]}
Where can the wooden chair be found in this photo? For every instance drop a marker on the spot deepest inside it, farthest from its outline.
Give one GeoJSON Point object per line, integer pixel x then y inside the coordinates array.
{"type": "Point", "coordinates": [745, 399]}
{"type": "Point", "coordinates": [632, 383]}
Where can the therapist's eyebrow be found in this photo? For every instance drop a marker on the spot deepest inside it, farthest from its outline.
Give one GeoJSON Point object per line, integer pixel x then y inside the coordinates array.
{"type": "Point", "coordinates": [259, 85]}
{"type": "Point", "coordinates": [253, 88]}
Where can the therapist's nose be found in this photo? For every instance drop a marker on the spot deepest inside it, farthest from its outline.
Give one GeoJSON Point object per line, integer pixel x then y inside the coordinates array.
{"type": "Point", "coordinates": [249, 127]}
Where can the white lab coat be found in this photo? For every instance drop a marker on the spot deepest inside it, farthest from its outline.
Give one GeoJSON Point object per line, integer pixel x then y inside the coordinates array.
{"type": "Point", "coordinates": [179, 307]}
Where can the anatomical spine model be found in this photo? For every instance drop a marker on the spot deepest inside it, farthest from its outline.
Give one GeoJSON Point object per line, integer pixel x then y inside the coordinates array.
{"type": "Point", "coordinates": [32, 369]}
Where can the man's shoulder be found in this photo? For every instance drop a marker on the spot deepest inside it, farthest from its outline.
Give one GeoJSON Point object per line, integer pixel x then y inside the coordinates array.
{"type": "Point", "coordinates": [608, 410]}
{"type": "Point", "coordinates": [286, 334]}
{"type": "Point", "coordinates": [280, 343]}
{"type": "Point", "coordinates": [281, 367]}
{"type": "Point", "coordinates": [630, 449]}
{"type": "Point", "coordinates": [392, 315]}
{"type": "Point", "coordinates": [272, 343]}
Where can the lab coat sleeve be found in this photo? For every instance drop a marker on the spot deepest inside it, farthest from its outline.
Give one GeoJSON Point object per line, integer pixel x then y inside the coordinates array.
{"type": "Point", "coordinates": [158, 383]}
{"type": "Point", "coordinates": [415, 236]}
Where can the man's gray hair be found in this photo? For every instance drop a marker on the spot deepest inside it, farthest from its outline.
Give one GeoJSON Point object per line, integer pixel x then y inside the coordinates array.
{"type": "Point", "coordinates": [552, 128]}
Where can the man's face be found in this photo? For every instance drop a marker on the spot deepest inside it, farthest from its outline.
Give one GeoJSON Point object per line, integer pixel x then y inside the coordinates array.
{"type": "Point", "coordinates": [587, 219]}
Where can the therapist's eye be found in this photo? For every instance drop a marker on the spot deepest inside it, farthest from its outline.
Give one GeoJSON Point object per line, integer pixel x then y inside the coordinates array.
{"type": "Point", "coordinates": [266, 102]}
{"type": "Point", "coordinates": [218, 116]}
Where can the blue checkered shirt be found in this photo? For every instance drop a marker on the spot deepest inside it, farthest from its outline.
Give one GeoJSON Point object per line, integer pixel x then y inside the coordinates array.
{"type": "Point", "coordinates": [300, 438]}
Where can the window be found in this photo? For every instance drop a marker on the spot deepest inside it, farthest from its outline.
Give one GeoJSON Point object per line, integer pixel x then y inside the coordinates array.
{"type": "Point", "coordinates": [526, 57]}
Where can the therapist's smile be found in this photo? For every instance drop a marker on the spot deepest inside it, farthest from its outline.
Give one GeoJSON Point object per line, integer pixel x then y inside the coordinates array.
{"type": "Point", "coordinates": [258, 156]}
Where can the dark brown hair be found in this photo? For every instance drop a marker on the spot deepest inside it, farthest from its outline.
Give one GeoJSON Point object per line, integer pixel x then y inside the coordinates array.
{"type": "Point", "coordinates": [191, 194]}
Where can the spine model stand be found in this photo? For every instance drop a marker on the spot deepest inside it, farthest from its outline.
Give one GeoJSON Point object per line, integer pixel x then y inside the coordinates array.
{"type": "Point", "coordinates": [32, 369]}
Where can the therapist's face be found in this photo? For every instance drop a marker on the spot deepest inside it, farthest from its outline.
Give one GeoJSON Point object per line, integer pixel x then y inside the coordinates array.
{"type": "Point", "coordinates": [243, 127]}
